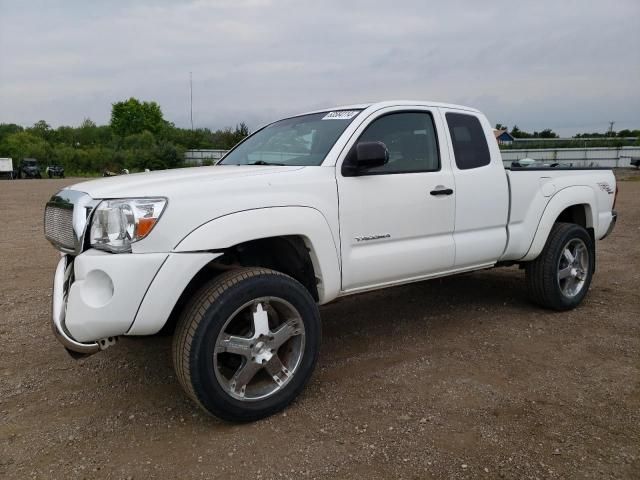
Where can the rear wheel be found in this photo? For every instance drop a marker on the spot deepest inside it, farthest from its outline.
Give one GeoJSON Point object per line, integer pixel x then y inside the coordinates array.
{"type": "Point", "coordinates": [247, 344]}
{"type": "Point", "coordinates": [560, 277]}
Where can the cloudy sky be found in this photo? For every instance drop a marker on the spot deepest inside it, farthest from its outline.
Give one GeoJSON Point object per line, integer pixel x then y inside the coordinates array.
{"type": "Point", "coordinates": [569, 65]}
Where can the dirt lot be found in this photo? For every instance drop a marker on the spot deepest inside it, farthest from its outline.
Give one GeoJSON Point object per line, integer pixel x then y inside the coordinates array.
{"type": "Point", "coordinates": [453, 378]}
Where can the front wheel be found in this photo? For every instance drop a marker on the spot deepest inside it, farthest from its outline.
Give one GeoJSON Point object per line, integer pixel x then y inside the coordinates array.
{"type": "Point", "coordinates": [560, 277]}
{"type": "Point", "coordinates": [247, 344]}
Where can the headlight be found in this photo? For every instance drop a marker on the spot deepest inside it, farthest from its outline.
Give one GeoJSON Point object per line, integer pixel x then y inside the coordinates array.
{"type": "Point", "coordinates": [119, 223]}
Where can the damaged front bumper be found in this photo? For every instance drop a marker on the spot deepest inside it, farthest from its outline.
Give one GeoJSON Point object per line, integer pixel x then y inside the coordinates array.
{"type": "Point", "coordinates": [97, 295]}
{"type": "Point", "coordinates": [61, 282]}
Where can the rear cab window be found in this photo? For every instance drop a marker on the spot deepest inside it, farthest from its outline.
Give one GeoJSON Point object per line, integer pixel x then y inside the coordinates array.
{"type": "Point", "coordinates": [469, 142]}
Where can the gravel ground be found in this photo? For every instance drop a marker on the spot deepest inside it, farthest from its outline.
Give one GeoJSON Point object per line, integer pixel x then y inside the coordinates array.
{"type": "Point", "coordinates": [452, 378]}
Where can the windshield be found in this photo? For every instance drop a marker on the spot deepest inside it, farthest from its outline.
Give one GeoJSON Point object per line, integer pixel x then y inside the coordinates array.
{"type": "Point", "coordinates": [299, 141]}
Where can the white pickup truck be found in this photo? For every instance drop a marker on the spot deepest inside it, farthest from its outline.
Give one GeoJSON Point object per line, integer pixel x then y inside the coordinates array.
{"type": "Point", "coordinates": [238, 256]}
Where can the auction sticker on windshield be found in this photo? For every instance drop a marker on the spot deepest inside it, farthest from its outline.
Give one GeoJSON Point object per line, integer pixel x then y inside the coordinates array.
{"type": "Point", "coordinates": [341, 115]}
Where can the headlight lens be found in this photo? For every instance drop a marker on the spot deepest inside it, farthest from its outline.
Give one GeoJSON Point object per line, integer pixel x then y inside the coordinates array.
{"type": "Point", "coordinates": [119, 223]}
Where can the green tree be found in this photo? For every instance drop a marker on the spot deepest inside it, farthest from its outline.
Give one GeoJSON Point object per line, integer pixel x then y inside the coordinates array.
{"type": "Point", "coordinates": [87, 133]}
{"type": "Point", "coordinates": [132, 116]}
{"type": "Point", "coordinates": [517, 133]}
{"type": "Point", "coordinates": [24, 145]}
{"type": "Point", "coordinates": [243, 131]}
{"type": "Point", "coordinates": [42, 129]}
{"type": "Point", "coordinates": [139, 141]}
{"type": "Point", "coordinates": [7, 129]}
{"type": "Point", "coordinates": [166, 155]}
{"type": "Point", "coordinates": [546, 133]}
{"type": "Point", "coordinates": [137, 137]}
{"type": "Point", "coordinates": [65, 135]}
{"type": "Point", "coordinates": [228, 137]}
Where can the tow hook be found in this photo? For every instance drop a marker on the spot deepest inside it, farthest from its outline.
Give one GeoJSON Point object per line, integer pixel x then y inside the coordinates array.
{"type": "Point", "coordinates": [107, 342]}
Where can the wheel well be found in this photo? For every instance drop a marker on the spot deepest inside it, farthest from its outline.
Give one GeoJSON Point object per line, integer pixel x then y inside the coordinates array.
{"type": "Point", "coordinates": [580, 215]}
{"type": "Point", "coordinates": [287, 254]}
{"type": "Point", "coordinates": [574, 214]}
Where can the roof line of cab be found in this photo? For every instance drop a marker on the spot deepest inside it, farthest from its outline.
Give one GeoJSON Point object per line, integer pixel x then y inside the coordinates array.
{"type": "Point", "coordinates": [393, 103]}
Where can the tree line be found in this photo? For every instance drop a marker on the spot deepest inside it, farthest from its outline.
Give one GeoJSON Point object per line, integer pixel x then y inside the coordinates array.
{"type": "Point", "coordinates": [137, 137]}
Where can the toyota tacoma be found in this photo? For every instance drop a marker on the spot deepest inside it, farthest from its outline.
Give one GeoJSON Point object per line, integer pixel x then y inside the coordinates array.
{"type": "Point", "coordinates": [238, 257]}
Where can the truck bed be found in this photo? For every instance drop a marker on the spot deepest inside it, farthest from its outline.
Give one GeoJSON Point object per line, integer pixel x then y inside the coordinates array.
{"type": "Point", "coordinates": [532, 189]}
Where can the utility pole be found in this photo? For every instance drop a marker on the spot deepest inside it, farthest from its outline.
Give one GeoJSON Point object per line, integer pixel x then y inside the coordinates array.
{"type": "Point", "coordinates": [611, 124]}
{"type": "Point", "coordinates": [191, 98]}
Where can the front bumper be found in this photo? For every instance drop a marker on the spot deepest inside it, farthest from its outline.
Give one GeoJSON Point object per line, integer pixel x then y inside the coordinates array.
{"type": "Point", "coordinates": [96, 296]}
{"type": "Point", "coordinates": [61, 279]}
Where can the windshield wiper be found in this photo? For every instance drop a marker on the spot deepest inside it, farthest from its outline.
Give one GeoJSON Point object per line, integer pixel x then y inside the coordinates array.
{"type": "Point", "coordinates": [262, 162]}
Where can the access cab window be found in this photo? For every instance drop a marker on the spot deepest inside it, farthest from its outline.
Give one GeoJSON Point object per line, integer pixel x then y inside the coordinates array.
{"type": "Point", "coordinates": [410, 138]}
{"type": "Point", "coordinates": [469, 141]}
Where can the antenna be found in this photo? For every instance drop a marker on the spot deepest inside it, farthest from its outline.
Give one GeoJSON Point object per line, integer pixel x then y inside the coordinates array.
{"type": "Point", "coordinates": [191, 98]}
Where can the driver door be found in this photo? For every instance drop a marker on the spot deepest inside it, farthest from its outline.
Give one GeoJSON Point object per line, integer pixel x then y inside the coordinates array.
{"type": "Point", "coordinates": [397, 220]}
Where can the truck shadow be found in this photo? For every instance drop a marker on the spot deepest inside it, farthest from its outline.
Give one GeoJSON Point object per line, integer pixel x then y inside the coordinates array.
{"type": "Point", "coordinates": [357, 325]}
{"type": "Point", "coordinates": [452, 298]}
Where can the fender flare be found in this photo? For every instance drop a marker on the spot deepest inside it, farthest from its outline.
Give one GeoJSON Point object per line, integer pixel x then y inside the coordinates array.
{"type": "Point", "coordinates": [306, 222]}
{"type": "Point", "coordinates": [563, 199]}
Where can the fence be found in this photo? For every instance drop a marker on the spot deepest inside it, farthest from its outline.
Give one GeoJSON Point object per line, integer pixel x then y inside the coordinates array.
{"type": "Point", "coordinates": [197, 157]}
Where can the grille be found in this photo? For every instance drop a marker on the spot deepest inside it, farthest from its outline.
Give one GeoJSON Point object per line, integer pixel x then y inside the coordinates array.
{"type": "Point", "coordinates": [58, 226]}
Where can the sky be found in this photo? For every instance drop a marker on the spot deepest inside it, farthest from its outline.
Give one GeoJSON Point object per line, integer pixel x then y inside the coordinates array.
{"type": "Point", "coordinates": [572, 66]}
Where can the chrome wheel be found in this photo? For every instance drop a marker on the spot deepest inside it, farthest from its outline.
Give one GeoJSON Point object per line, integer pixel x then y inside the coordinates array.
{"type": "Point", "coordinates": [573, 267]}
{"type": "Point", "coordinates": [259, 349]}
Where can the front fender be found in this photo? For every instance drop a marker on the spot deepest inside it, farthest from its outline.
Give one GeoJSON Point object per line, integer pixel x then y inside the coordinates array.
{"type": "Point", "coordinates": [307, 222]}
{"type": "Point", "coordinates": [565, 198]}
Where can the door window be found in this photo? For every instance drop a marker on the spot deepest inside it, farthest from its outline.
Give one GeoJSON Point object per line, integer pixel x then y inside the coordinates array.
{"type": "Point", "coordinates": [469, 141]}
{"type": "Point", "coordinates": [411, 140]}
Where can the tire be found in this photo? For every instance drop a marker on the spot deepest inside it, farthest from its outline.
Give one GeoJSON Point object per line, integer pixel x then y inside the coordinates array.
{"type": "Point", "coordinates": [50, 175]}
{"type": "Point", "coordinates": [38, 175]}
{"type": "Point", "coordinates": [234, 326]}
{"type": "Point", "coordinates": [554, 280]}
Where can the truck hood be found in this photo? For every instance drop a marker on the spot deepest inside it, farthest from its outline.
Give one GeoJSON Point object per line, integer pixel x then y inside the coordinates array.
{"type": "Point", "coordinates": [168, 183]}
{"type": "Point", "coordinates": [196, 196]}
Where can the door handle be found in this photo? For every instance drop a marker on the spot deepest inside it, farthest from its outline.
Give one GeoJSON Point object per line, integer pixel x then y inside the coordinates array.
{"type": "Point", "coordinates": [441, 191]}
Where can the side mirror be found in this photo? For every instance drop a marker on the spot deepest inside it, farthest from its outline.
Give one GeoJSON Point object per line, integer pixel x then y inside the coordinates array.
{"type": "Point", "coordinates": [366, 155]}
